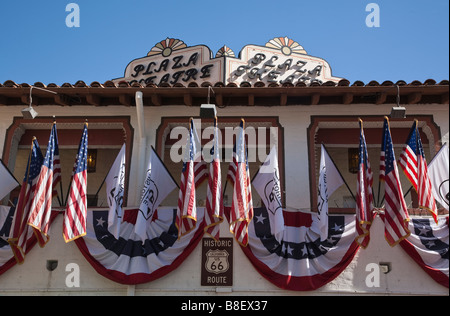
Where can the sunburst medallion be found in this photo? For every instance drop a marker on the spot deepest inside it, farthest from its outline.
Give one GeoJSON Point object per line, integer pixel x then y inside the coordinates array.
{"type": "Point", "coordinates": [286, 45]}
{"type": "Point", "coordinates": [166, 47]}
{"type": "Point", "coordinates": [225, 51]}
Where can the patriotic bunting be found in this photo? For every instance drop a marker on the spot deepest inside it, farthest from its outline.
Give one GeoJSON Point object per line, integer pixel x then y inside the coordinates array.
{"type": "Point", "coordinates": [301, 262]}
{"type": "Point", "coordinates": [428, 246]}
{"type": "Point", "coordinates": [128, 260]}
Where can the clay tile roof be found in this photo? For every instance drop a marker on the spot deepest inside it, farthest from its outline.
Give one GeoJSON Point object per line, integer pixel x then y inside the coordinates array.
{"type": "Point", "coordinates": [96, 84]}
{"type": "Point", "coordinates": [109, 84]}
{"type": "Point", "coordinates": [10, 83]}
{"type": "Point", "coordinates": [39, 85]}
{"type": "Point", "coordinates": [429, 82]}
{"type": "Point", "coordinates": [343, 83]}
{"type": "Point", "coordinates": [206, 84]}
{"type": "Point", "coordinates": [358, 83]}
{"type": "Point", "coordinates": [387, 83]}
{"type": "Point", "coordinates": [80, 84]}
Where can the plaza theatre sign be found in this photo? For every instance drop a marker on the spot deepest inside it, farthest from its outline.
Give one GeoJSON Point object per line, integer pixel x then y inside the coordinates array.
{"type": "Point", "coordinates": [280, 61]}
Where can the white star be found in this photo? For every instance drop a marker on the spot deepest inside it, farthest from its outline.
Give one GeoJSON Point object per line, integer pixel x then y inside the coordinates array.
{"type": "Point", "coordinates": [260, 219]}
{"type": "Point", "coordinates": [100, 221]}
{"type": "Point", "coordinates": [304, 251]}
{"type": "Point", "coordinates": [431, 244]}
{"type": "Point", "coordinates": [337, 227]}
{"type": "Point", "coordinates": [423, 231]}
{"type": "Point", "coordinates": [289, 250]}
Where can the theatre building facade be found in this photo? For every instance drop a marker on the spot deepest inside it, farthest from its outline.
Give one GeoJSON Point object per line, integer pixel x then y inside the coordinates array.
{"type": "Point", "coordinates": [286, 100]}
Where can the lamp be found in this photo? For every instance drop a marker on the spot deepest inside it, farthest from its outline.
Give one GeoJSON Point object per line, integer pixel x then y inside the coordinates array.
{"type": "Point", "coordinates": [29, 112]}
{"type": "Point", "coordinates": [91, 160]}
{"type": "Point", "coordinates": [208, 110]}
{"type": "Point", "coordinates": [51, 265]}
{"type": "Point", "coordinates": [398, 111]}
{"type": "Point", "coordinates": [353, 160]}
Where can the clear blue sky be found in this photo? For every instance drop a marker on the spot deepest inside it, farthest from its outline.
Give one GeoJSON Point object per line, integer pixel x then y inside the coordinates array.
{"type": "Point", "coordinates": [412, 42]}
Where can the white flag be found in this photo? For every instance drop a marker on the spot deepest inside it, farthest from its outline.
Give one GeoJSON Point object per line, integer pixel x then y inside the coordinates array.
{"type": "Point", "coordinates": [267, 184]}
{"type": "Point", "coordinates": [7, 181]}
{"type": "Point", "coordinates": [4, 228]}
{"type": "Point", "coordinates": [329, 180]}
{"type": "Point", "coordinates": [157, 185]}
{"type": "Point", "coordinates": [115, 184]}
{"type": "Point", "coordinates": [438, 172]}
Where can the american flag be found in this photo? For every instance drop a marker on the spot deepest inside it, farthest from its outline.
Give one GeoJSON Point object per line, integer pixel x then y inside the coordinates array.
{"type": "Point", "coordinates": [20, 231]}
{"type": "Point", "coordinates": [424, 188]}
{"type": "Point", "coordinates": [56, 164]}
{"type": "Point", "coordinates": [214, 200]}
{"type": "Point", "coordinates": [364, 193]}
{"type": "Point", "coordinates": [396, 214]}
{"type": "Point", "coordinates": [42, 201]}
{"type": "Point", "coordinates": [408, 156]}
{"type": "Point", "coordinates": [192, 173]}
{"type": "Point", "coordinates": [412, 160]}
{"type": "Point", "coordinates": [75, 215]}
{"type": "Point", "coordinates": [241, 212]}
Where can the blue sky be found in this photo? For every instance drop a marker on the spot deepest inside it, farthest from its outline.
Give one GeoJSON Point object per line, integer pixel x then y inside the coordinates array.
{"type": "Point", "coordinates": [412, 42]}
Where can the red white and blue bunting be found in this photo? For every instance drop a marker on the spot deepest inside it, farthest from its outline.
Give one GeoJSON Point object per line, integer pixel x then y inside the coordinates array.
{"type": "Point", "coordinates": [428, 246]}
{"type": "Point", "coordinates": [301, 262]}
{"type": "Point", "coordinates": [127, 260]}
{"type": "Point", "coordinates": [298, 262]}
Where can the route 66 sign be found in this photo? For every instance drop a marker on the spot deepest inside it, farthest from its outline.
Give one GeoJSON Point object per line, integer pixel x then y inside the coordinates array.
{"type": "Point", "coordinates": [217, 262]}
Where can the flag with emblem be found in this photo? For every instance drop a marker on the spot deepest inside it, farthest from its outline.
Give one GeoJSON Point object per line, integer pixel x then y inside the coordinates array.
{"type": "Point", "coordinates": [396, 213]}
{"type": "Point", "coordinates": [187, 209]}
{"type": "Point", "coordinates": [20, 231]}
{"type": "Point", "coordinates": [267, 183]}
{"type": "Point", "coordinates": [8, 182]}
{"type": "Point", "coordinates": [413, 162]}
{"type": "Point", "coordinates": [157, 185]}
{"type": "Point", "coordinates": [76, 208]}
{"type": "Point", "coordinates": [42, 201]}
{"type": "Point", "coordinates": [214, 199]}
{"type": "Point", "coordinates": [115, 185]}
{"type": "Point", "coordinates": [438, 171]}
{"type": "Point", "coordinates": [364, 193]}
{"type": "Point", "coordinates": [241, 212]}
{"type": "Point", "coordinates": [330, 180]}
